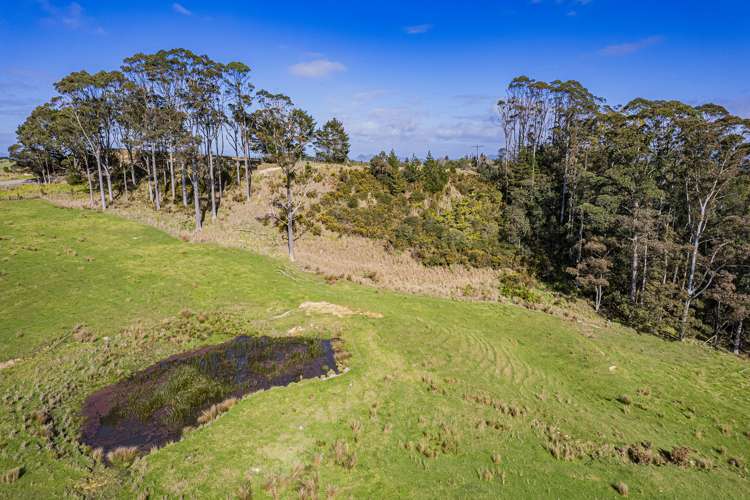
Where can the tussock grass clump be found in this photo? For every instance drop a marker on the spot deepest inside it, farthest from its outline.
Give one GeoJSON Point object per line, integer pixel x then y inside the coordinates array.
{"type": "Point", "coordinates": [245, 492]}
{"type": "Point", "coordinates": [343, 456]}
{"type": "Point", "coordinates": [496, 458]}
{"type": "Point", "coordinates": [644, 454]}
{"type": "Point", "coordinates": [680, 455]}
{"type": "Point", "coordinates": [486, 475]}
{"type": "Point", "coordinates": [12, 475]}
{"type": "Point", "coordinates": [356, 426]}
{"type": "Point", "coordinates": [214, 411]}
{"type": "Point", "coordinates": [82, 334]}
{"type": "Point", "coordinates": [621, 488]}
{"type": "Point", "coordinates": [331, 492]}
{"type": "Point", "coordinates": [98, 455]}
{"type": "Point", "coordinates": [122, 456]}
{"type": "Point", "coordinates": [273, 486]}
{"type": "Point", "coordinates": [308, 488]}
{"type": "Point", "coordinates": [41, 417]}
{"type": "Point", "coordinates": [736, 462]}
{"type": "Point", "coordinates": [625, 399]}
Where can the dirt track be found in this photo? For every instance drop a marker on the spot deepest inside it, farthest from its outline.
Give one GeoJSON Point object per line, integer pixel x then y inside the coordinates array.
{"type": "Point", "coordinates": [15, 182]}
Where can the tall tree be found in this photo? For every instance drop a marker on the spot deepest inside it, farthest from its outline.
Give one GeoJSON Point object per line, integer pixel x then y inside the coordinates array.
{"type": "Point", "coordinates": [332, 142]}
{"type": "Point", "coordinates": [282, 133]}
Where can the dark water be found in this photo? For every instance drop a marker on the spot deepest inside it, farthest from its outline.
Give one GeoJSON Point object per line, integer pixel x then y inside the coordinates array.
{"type": "Point", "coordinates": [151, 407]}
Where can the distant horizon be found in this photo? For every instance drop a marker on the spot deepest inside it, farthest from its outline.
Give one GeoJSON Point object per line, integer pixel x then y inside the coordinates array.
{"type": "Point", "coordinates": [413, 77]}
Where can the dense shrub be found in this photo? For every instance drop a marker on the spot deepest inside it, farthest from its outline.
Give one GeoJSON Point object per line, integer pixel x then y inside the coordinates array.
{"type": "Point", "coordinates": [443, 218]}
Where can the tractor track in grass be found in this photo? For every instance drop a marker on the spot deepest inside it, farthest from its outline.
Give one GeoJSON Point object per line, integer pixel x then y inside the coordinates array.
{"type": "Point", "coordinates": [497, 360]}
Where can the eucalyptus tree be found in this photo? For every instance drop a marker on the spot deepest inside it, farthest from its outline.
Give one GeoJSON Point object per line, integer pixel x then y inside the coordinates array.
{"type": "Point", "coordinates": [90, 99]}
{"type": "Point", "coordinates": [142, 71]}
{"type": "Point", "coordinates": [715, 149]}
{"type": "Point", "coordinates": [239, 92]}
{"type": "Point", "coordinates": [40, 148]}
{"type": "Point", "coordinates": [203, 101]}
{"type": "Point", "coordinates": [282, 132]}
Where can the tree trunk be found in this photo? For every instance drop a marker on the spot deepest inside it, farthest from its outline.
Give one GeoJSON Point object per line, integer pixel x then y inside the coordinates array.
{"type": "Point", "coordinates": [685, 316]}
{"type": "Point", "coordinates": [690, 281]}
{"type": "Point", "coordinates": [171, 175]}
{"type": "Point", "coordinates": [88, 178]}
{"type": "Point", "coordinates": [738, 338]}
{"type": "Point", "coordinates": [109, 184]}
{"type": "Point", "coordinates": [644, 272]}
{"type": "Point", "coordinates": [247, 175]}
{"type": "Point", "coordinates": [101, 181]}
{"type": "Point", "coordinates": [289, 218]}
{"type": "Point", "coordinates": [157, 191]}
{"type": "Point", "coordinates": [196, 198]}
{"type": "Point", "coordinates": [634, 270]}
{"type": "Point", "coordinates": [125, 182]}
{"type": "Point", "coordinates": [237, 165]}
{"type": "Point", "coordinates": [579, 253]}
{"type": "Point", "coordinates": [211, 182]}
{"type": "Point", "coordinates": [184, 185]}
{"type": "Point", "coordinates": [564, 191]}
{"type": "Point", "coordinates": [634, 256]}
{"type": "Point", "coordinates": [148, 179]}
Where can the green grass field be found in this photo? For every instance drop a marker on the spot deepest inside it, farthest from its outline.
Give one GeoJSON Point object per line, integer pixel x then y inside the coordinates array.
{"type": "Point", "coordinates": [443, 398]}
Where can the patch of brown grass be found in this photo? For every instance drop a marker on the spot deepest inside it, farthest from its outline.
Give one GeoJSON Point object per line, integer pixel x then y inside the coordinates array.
{"type": "Point", "coordinates": [644, 454]}
{"type": "Point", "coordinates": [214, 411]}
{"type": "Point", "coordinates": [12, 475]}
{"type": "Point", "coordinates": [122, 456]}
{"type": "Point", "coordinates": [621, 488]}
{"type": "Point", "coordinates": [343, 456]}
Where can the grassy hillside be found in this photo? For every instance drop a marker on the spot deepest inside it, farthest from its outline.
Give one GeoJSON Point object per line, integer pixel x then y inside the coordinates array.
{"type": "Point", "coordinates": [443, 398]}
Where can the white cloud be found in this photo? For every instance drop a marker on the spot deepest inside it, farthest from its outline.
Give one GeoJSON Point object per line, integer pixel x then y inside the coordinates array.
{"type": "Point", "coordinates": [181, 9]}
{"type": "Point", "coordinates": [468, 131]}
{"type": "Point", "coordinates": [417, 29]}
{"type": "Point", "coordinates": [317, 68]}
{"type": "Point", "coordinates": [368, 96]}
{"type": "Point", "coordinates": [630, 47]}
{"type": "Point", "coordinates": [71, 17]}
{"type": "Point", "coordinates": [385, 124]}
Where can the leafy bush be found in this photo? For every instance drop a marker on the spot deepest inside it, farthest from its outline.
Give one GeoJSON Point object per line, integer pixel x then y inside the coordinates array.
{"type": "Point", "coordinates": [457, 223]}
{"type": "Point", "coordinates": [518, 285]}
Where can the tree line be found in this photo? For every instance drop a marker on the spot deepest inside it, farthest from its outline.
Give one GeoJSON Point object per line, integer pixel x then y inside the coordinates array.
{"type": "Point", "coordinates": [645, 206]}
{"type": "Point", "coordinates": [170, 119]}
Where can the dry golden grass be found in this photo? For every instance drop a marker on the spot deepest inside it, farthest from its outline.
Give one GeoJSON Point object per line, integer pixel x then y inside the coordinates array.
{"type": "Point", "coordinates": [336, 257]}
{"type": "Point", "coordinates": [360, 260]}
{"type": "Point", "coordinates": [214, 411]}
{"type": "Point", "coordinates": [122, 456]}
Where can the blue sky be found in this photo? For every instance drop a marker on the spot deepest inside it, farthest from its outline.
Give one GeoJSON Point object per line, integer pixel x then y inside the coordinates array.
{"type": "Point", "coordinates": [414, 76]}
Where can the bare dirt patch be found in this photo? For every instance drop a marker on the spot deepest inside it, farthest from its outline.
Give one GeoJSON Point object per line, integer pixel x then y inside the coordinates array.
{"type": "Point", "coordinates": [8, 364]}
{"type": "Point", "coordinates": [335, 310]}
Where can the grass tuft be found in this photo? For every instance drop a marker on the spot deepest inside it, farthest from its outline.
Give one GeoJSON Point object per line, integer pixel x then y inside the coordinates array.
{"type": "Point", "coordinates": [621, 488]}
{"type": "Point", "coordinates": [214, 411]}
{"type": "Point", "coordinates": [12, 475]}
{"type": "Point", "coordinates": [122, 456]}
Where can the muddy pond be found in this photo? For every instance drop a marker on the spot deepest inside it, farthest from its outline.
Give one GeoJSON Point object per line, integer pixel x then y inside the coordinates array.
{"type": "Point", "coordinates": [152, 407]}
